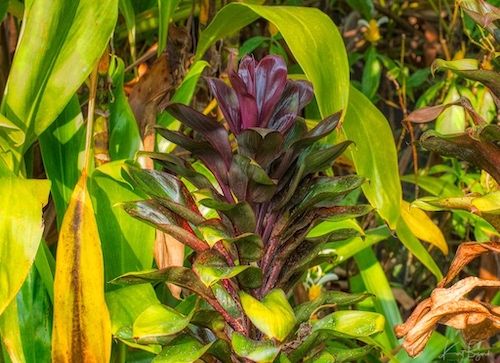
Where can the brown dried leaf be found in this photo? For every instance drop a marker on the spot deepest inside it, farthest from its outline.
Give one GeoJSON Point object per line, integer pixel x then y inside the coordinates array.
{"type": "Point", "coordinates": [467, 252]}
{"type": "Point", "coordinates": [448, 307]}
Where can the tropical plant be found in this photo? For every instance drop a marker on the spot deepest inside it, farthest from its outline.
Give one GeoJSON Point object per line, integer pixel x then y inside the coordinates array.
{"type": "Point", "coordinates": [250, 246]}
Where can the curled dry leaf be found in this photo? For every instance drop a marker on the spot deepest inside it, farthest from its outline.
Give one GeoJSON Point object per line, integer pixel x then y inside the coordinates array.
{"type": "Point", "coordinates": [466, 252]}
{"type": "Point", "coordinates": [448, 306]}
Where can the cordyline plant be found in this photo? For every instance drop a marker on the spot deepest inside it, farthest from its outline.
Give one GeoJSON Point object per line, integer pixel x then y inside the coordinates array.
{"type": "Point", "coordinates": [478, 144]}
{"type": "Point", "coordinates": [247, 222]}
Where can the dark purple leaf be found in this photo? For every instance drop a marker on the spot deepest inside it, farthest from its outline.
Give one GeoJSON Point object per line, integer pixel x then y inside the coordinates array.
{"type": "Point", "coordinates": [306, 93]}
{"type": "Point", "coordinates": [249, 181]}
{"type": "Point", "coordinates": [213, 131]}
{"type": "Point", "coordinates": [262, 145]}
{"type": "Point", "coordinates": [240, 214]}
{"type": "Point", "coordinates": [286, 109]}
{"type": "Point", "coordinates": [270, 81]}
{"type": "Point", "coordinates": [181, 167]}
{"type": "Point", "coordinates": [228, 103]}
{"type": "Point", "coordinates": [212, 159]}
{"type": "Point", "coordinates": [249, 111]}
{"type": "Point", "coordinates": [161, 185]}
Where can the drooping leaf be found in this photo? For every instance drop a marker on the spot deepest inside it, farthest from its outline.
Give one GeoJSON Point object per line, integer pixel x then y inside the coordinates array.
{"type": "Point", "coordinates": [352, 323]}
{"type": "Point", "coordinates": [374, 156]}
{"type": "Point", "coordinates": [423, 227]}
{"type": "Point", "coordinates": [273, 315]}
{"type": "Point", "coordinates": [21, 228]}
{"type": "Point", "coordinates": [213, 231]}
{"type": "Point", "coordinates": [82, 329]}
{"type": "Point", "coordinates": [258, 351]}
{"type": "Point", "coordinates": [67, 46]}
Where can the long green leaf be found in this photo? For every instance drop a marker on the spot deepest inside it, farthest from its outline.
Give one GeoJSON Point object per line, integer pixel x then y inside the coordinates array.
{"type": "Point", "coordinates": [166, 9]}
{"type": "Point", "coordinates": [21, 230]}
{"type": "Point", "coordinates": [376, 283]}
{"type": "Point", "coordinates": [312, 37]}
{"type": "Point", "coordinates": [60, 43]}
{"type": "Point", "coordinates": [61, 144]}
{"type": "Point", "coordinates": [374, 156]}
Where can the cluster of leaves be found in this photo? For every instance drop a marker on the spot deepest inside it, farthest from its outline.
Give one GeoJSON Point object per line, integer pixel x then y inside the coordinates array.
{"type": "Point", "coordinates": [250, 246]}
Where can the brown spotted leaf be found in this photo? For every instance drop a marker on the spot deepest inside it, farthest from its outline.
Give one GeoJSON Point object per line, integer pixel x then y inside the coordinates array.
{"type": "Point", "coordinates": [82, 328]}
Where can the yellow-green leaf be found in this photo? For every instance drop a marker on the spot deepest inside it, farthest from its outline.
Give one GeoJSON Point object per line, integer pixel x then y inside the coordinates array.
{"type": "Point", "coordinates": [273, 315]}
{"type": "Point", "coordinates": [82, 328]}
{"type": "Point", "coordinates": [21, 228]}
{"type": "Point", "coordinates": [423, 227]}
{"type": "Point", "coordinates": [490, 203]}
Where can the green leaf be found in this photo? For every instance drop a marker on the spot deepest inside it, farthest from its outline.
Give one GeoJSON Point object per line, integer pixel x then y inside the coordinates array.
{"type": "Point", "coordinates": [303, 311]}
{"type": "Point", "coordinates": [127, 303]}
{"type": "Point", "coordinates": [374, 156]}
{"type": "Point", "coordinates": [21, 228]}
{"type": "Point", "coordinates": [273, 315]}
{"type": "Point", "coordinates": [352, 323]}
{"type": "Point", "coordinates": [466, 64]}
{"type": "Point", "coordinates": [124, 136]}
{"type": "Point", "coordinates": [127, 10]}
{"type": "Point", "coordinates": [241, 214]}
{"type": "Point", "coordinates": [376, 283]}
{"type": "Point", "coordinates": [13, 132]}
{"type": "Point", "coordinates": [166, 9]}
{"type": "Point", "coordinates": [258, 351]}
{"type": "Point", "coordinates": [61, 144]}
{"type": "Point", "coordinates": [156, 321]}
{"type": "Point", "coordinates": [323, 61]}
{"type": "Point", "coordinates": [372, 72]}
{"type": "Point", "coordinates": [56, 52]}
{"type": "Point", "coordinates": [183, 349]}
{"type": "Point", "coordinates": [126, 242]}
{"type": "Point", "coordinates": [349, 355]}
{"type": "Point", "coordinates": [211, 267]}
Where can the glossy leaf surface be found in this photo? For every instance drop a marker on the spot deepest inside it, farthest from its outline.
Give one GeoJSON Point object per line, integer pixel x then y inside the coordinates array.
{"type": "Point", "coordinates": [374, 155]}
{"type": "Point", "coordinates": [273, 315]}
{"type": "Point", "coordinates": [258, 351]}
{"type": "Point", "coordinates": [158, 320]}
{"type": "Point", "coordinates": [352, 323]}
{"type": "Point", "coordinates": [212, 267]}
{"type": "Point", "coordinates": [183, 349]}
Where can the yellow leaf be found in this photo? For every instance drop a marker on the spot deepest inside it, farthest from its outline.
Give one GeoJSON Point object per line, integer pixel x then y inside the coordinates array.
{"type": "Point", "coordinates": [423, 227]}
{"type": "Point", "coordinates": [82, 328]}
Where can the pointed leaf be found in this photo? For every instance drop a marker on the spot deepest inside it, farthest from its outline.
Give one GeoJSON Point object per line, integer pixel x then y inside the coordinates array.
{"type": "Point", "coordinates": [258, 351]}
{"type": "Point", "coordinates": [179, 276]}
{"type": "Point", "coordinates": [374, 156]}
{"type": "Point", "coordinates": [261, 145]}
{"type": "Point", "coordinates": [82, 328]}
{"type": "Point", "coordinates": [273, 315]}
{"type": "Point", "coordinates": [21, 228]}
{"type": "Point", "coordinates": [212, 130]}
{"type": "Point", "coordinates": [423, 227]}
